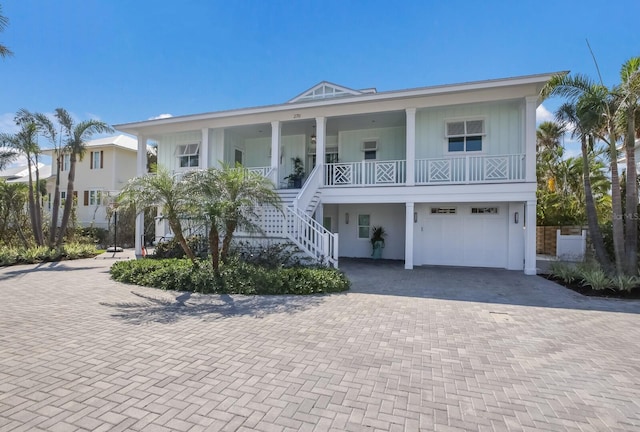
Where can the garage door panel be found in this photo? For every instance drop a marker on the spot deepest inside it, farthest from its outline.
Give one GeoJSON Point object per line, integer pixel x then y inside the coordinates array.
{"type": "Point", "coordinates": [466, 238]}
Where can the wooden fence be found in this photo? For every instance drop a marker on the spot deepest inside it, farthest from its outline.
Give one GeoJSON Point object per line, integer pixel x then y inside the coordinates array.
{"type": "Point", "coordinates": [546, 237]}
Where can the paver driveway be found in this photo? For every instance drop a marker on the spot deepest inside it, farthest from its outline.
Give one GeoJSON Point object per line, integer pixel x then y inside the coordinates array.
{"type": "Point", "coordinates": [430, 349]}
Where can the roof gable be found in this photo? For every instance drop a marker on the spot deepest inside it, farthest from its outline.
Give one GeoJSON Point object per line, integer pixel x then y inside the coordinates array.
{"type": "Point", "coordinates": [325, 90]}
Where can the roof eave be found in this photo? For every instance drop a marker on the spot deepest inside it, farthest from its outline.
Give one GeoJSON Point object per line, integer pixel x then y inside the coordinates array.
{"type": "Point", "coordinates": [394, 94]}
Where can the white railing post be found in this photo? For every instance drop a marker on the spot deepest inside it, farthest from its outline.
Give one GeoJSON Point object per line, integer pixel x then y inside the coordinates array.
{"type": "Point", "coordinates": [363, 173]}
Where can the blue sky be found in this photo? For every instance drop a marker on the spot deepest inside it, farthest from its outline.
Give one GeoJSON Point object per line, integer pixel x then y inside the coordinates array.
{"type": "Point", "coordinates": [123, 61]}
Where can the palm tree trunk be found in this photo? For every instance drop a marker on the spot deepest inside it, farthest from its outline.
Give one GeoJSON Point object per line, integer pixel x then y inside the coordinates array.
{"type": "Point", "coordinates": [592, 216]}
{"type": "Point", "coordinates": [616, 204]}
{"type": "Point", "coordinates": [38, 205]}
{"type": "Point", "coordinates": [176, 227]}
{"type": "Point", "coordinates": [214, 247]}
{"type": "Point", "coordinates": [56, 205]}
{"type": "Point", "coordinates": [631, 210]}
{"type": "Point", "coordinates": [32, 205]}
{"type": "Point", "coordinates": [68, 203]}
{"type": "Point", "coordinates": [230, 228]}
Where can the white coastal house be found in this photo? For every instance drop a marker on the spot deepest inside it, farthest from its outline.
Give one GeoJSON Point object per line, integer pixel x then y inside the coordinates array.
{"type": "Point", "coordinates": [448, 171]}
{"type": "Point", "coordinates": [107, 165]}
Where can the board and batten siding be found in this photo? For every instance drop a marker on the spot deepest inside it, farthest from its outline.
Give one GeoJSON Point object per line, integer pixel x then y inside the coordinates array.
{"type": "Point", "coordinates": [167, 145]}
{"type": "Point", "coordinates": [391, 143]}
{"type": "Point", "coordinates": [503, 127]}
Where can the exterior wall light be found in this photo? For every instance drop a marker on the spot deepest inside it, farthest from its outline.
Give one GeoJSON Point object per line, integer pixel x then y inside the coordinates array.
{"type": "Point", "coordinates": [346, 218]}
{"type": "Point", "coordinates": [516, 217]}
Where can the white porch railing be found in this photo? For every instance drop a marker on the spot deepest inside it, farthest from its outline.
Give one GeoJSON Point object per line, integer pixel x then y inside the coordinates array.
{"type": "Point", "coordinates": [366, 173]}
{"type": "Point", "coordinates": [309, 189]}
{"type": "Point", "coordinates": [470, 169]}
{"type": "Point", "coordinates": [265, 171]}
{"type": "Point", "coordinates": [312, 237]}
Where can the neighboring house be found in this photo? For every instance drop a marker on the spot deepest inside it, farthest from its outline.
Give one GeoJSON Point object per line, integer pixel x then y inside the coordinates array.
{"type": "Point", "coordinates": [448, 171]}
{"type": "Point", "coordinates": [106, 166]}
{"type": "Point", "coordinates": [20, 174]}
{"type": "Point", "coordinates": [622, 160]}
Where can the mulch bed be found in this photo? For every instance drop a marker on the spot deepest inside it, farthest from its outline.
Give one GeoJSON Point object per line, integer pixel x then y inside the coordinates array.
{"type": "Point", "coordinates": [588, 291]}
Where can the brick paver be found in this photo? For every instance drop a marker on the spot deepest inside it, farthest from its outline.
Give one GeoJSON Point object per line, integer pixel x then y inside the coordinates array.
{"type": "Point", "coordinates": [439, 349]}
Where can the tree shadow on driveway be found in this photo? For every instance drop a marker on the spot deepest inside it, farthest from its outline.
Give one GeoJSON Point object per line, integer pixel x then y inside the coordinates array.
{"type": "Point", "coordinates": [167, 309]}
{"type": "Point", "coordinates": [18, 270]}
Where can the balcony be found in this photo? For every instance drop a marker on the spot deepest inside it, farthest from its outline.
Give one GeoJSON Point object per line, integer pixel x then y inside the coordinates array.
{"type": "Point", "coordinates": [434, 171]}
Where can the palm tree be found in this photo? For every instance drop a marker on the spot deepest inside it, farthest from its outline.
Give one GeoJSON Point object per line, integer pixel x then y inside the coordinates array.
{"type": "Point", "coordinates": [47, 128]}
{"type": "Point", "coordinates": [229, 200]}
{"type": "Point", "coordinates": [4, 51]}
{"type": "Point", "coordinates": [549, 152]}
{"type": "Point", "coordinates": [25, 142]}
{"type": "Point", "coordinates": [596, 102]}
{"type": "Point", "coordinates": [165, 191]}
{"type": "Point", "coordinates": [629, 94]}
{"type": "Point", "coordinates": [75, 137]}
{"type": "Point", "coordinates": [6, 157]}
{"type": "Point", "coordinates": [582, 129]}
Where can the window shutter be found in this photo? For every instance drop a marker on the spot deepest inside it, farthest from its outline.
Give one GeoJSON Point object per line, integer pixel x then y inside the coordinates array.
{"type": "Point", "coordinates": [86, 198]}
{"type": "Point", "coordinates": [101, 159]}
{"type": "Point", "coordinates": [91, 161]}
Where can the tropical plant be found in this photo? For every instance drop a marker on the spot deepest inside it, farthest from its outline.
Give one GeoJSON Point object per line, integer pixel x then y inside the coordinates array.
{"type": "Point", "coordinates": [4, 51]}
{"type": "Point", "coordinates": [75, 137]}
{"type": "Point", "coordinates": [13, 219]}
{"type": "Point", "coordinates": [229, 199]}
{"type": "Point", "coordinates": [6, 157]}
{"type": "Point", "coordinates": [599, 105]}
{"type": "Point", "coordinates": [166, 191]}
{"type": "Point", "coordinates": [378, 234]}
{"type": "Point", "coordinates": [628, 93]}
{"type": "Point", "coordinates": [25, 142]}
{"type": "Point", "coordinates": [584, 127]}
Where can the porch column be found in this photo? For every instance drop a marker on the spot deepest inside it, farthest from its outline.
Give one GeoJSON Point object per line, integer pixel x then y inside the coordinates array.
{"type": "Point", "coordinates": [411, 147]}
{"type": "Point", "coordinates": [217, 146]}
{"type": "Point", "coordinates": [141, 169]}
{"type": "Point", "coordinates": [204, 149]}
{"type": "Point", "coordinates": [408, 236]}
{"type": "Point", "coordinates": [530, 238]}
{"type": "Point", "coordinates": [275, 151]}
{"type": "Point", "coordinates": [321, 138]}
{"type": "Point", "coordinates": [530, 138]}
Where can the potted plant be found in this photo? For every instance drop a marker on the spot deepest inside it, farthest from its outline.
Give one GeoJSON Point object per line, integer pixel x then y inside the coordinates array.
{"type": "Point", "coordinates": [295, 178]}
{"type": "Point", "coordinates": [377, 241]}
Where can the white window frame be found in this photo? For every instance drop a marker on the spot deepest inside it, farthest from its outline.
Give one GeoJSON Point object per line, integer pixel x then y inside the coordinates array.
{"type": "Point", "coordinates": [465, 135]}
{"type": "Point", "coordinates": [63, 198]}
{"type": "Point", "coordinates": [366, 149]}
{"type": "Point", "coordinates": [95, 197]}
{"type": "Point", "coordinates": [96, 159]}
{"type": "Point", "coordinates": [66, 162]}
{"type": "Point", "coordinates": [362, 226]}
{"type": "Point", "coordinates": [181, 152]}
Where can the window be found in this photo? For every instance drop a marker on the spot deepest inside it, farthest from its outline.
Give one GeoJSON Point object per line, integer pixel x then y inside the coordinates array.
{"type": "Point", "coordinates": [66, 162]}
{"type": "Point", "coordinates": [93, 197]}
{"type": "Point", "coordinates": [484, 210]}
{"type": "Point", "coordinates": [443, 210]}
{"type": "Point", "coordinates": [188, 155]}
{"type": "Point", "coordinates": [238, 156]}
{"type": "Point", "coordinates": [370, 149]}
{"type": "Point", "coordinates": [326, 222]}
{"type": "Point", "coordinates": [97, 159]}
{"type": "Point", "coordinates": [63, 198]}
{"type": "Point", "coordinates": [364, 226]}
{"type": "Point", "coordinates": [465, 136]}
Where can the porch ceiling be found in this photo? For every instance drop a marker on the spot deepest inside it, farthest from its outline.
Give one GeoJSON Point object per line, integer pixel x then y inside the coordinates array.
{"type": "Point", "coordinates": [334, 125]}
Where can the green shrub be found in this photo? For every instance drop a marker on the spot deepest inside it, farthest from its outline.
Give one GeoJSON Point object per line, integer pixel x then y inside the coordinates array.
{"type": "Point", "coordinates": [567, 273]}
{"type": "Point", "coordinates": [38, 254]}
{"type": "Point", "coordinates": [625, 283]}
{"type": "Point", "coordinates": [235, 277]}
{"type": "Point", "coordinates": [595, 278]}
{"type": "Point", "coordinates": [173, 249]}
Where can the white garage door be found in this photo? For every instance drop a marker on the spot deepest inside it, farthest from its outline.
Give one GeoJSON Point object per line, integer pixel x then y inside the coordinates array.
{"type": "Point", "coordinates": [465, 235]}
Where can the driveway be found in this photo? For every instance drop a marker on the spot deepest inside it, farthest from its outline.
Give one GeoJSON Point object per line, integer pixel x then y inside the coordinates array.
{"type": "Point", "coordinates": [442, 349]}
